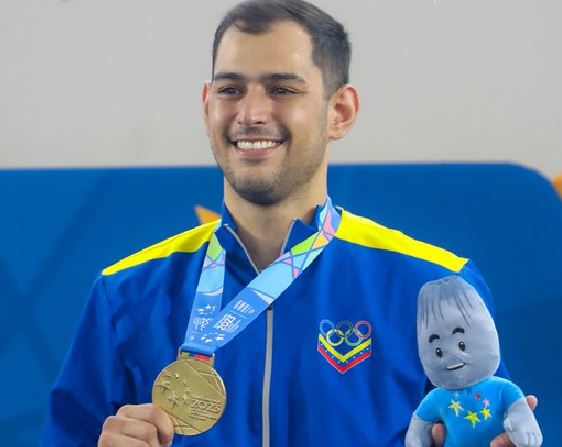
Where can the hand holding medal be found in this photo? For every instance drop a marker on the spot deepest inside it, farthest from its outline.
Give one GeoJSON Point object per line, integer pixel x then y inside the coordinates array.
{"type": "Point", "coordinates": [132, 424]}
{"type": "Point", "coordinates": [190, 390]}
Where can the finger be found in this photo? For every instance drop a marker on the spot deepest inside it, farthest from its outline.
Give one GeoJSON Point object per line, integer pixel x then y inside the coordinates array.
{"type": "Point", "coordinates": [109, 439]}
{"type": "Point", "coordinates": [154, 415]}
{"type": "Point", "coordinates": [141, 430]}
{"type": "Point", "coordinates": [501, 441]}
{"type": "Point", "coordinates": [128, 428]}
{"type": "Point", "coordinates": [438, 434]}
{"type": "Point", "coordinates": [532, 401]}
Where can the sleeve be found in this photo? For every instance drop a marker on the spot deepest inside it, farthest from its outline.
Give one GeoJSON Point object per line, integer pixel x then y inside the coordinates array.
{"type": "Point", "coordinates": [471, 274]}
{"type": "Point", "coordinates": [428, 409]}
{"type": "Point", "coordinates": [92, 382]}
{"type": "Point", "coordinates": [510, 394]}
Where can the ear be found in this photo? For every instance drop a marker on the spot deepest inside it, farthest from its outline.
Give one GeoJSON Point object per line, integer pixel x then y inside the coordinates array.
{"type": "Point", "coordinates": [205, 101]}
{"type": "Point", "coordinates": [342, 111]}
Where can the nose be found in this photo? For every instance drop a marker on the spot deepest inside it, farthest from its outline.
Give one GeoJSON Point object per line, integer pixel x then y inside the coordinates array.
{"type": "Point", "coordinates": [254, 108]}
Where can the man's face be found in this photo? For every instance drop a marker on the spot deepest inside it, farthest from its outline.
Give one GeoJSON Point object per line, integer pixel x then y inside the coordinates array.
{"type": "Point", "coordinates": [456, 354]}
{"type": "Point", "coordinates": [266, 113]}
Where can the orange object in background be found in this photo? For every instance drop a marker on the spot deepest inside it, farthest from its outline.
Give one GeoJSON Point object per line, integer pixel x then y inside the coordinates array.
{"type": "Point", "coordinates": [557, 182]}
{"type": "Point", "coordinates": [205, 215]}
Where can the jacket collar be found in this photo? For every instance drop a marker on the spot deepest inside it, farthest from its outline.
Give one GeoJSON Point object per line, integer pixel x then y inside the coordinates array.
{"type": "Point", "coordinates": [227, 233]}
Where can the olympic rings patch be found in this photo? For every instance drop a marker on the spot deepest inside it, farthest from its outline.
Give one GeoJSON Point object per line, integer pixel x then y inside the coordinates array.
{"type": "Point", "coordinates": [344, 344]}
{"type": "Point", "coordinates": [345, 332]}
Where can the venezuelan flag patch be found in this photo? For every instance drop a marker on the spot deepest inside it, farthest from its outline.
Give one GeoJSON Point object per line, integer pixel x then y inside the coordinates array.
{"type": "Point", "coordinates": [344, 345]}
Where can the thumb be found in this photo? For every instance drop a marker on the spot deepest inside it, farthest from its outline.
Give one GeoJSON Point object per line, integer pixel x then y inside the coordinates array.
{"type": "Point", "coordinates": [438, 434]}
{"type": "Point", "coordinates": [532, 401]}
{"type": "Point", "coordinates": [501, 441]}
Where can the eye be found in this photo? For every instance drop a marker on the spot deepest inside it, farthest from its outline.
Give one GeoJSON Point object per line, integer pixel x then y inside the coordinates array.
{"type": "Point", "coordinates": [438, 352]}
{"type": "Point", "coordinates": [462, 346]}
{"type": "Point", "coordinates": [281, 91]}
{"type": "Point", "coordinates": [228, 90]}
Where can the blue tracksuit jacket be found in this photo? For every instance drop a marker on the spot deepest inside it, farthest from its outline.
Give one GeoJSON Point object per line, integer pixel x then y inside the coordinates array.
{"type": "Point", "coordinates": [333, 362]}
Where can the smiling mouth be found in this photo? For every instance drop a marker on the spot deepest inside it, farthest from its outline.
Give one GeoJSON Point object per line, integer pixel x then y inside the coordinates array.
{"type": "Point", "coordinates": [256, 145]}
{"type": "Point", "coordinates": [253, 148]}
{"type": "Point", "coordinates": [455, 366]}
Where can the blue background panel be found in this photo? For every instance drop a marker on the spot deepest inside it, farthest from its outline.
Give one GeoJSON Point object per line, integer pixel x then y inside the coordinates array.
{"type": "Point", "coordinates": [59, 228]}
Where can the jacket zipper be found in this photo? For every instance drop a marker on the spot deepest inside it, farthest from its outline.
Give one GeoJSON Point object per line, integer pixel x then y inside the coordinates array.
{"type": "Point", "coordinates": [267, 379]}
{"type": "Point", "coordinates": [268, 345]}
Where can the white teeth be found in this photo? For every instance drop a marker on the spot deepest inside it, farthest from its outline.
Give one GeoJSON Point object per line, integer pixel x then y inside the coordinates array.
{"type": "Point", "coordinates": [255, 145]}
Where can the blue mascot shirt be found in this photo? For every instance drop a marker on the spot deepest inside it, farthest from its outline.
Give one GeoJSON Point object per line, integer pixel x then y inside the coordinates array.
{"type": "Point", "coordinates": [474, 415]}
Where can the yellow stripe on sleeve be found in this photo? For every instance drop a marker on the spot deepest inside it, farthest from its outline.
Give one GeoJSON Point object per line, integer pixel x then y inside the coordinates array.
{"type": "Point", "coordinates": [187, 242]}
{"type": "Point", "coordinates": [362, 231]}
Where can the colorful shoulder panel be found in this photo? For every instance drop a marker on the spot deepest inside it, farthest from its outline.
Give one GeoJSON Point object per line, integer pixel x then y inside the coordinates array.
{"type": "Point", "coordinates": [361, 231]}
{"type": "Point", "coordinates": [187, 242]}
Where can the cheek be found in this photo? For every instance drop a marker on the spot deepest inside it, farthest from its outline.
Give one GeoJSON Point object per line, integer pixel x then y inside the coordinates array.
{"type": "Point", "coordinates": [301, 118]}
{"type": "Point", "coordinates": [484, 346]}
{"type": "Point", "coordinates": [428, 357]}
{"type": "Point", "coordinates": [218, 115]}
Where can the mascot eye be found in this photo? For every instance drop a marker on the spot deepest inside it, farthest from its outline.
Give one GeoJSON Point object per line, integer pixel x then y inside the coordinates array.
{"type": "Point", "coordinates": [438, 352]}
{"type": "Point", "coordinates": [462, 346]}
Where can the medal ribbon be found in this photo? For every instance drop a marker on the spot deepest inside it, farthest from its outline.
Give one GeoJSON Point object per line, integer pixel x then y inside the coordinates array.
{"type": "Point", "coordinates": [210, 327]}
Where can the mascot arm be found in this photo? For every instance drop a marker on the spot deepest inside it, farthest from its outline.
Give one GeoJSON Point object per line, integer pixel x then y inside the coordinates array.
{"type": "Point", "coordinates": [521, 426]}
{"type": "Point", "coordinates": [419, 433]}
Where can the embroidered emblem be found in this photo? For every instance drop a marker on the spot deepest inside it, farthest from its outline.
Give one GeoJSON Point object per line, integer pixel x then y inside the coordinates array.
{"type": "Point", "coordinates": [345, 344]}
{"type": "Point", "coordinates": [471, 415]}
{"type": "Point", "coordinates": [456, 407]}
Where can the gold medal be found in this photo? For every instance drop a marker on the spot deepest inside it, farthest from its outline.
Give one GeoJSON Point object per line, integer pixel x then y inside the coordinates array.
{"type": "Point", "coordinates": [192, 393]}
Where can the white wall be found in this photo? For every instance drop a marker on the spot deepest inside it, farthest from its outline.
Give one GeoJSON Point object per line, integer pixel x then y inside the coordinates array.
{"type": "Point", "coordinates": [117, 82]}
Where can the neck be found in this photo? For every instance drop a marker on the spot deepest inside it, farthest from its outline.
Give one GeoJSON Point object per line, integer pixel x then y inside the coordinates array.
{"type": "Point", "coordinates": [263, 229]}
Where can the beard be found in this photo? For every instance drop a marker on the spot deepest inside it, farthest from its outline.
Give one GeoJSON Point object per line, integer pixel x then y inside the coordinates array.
{"type": "Point", "coordinates": [282, 182]}
{"type": "Point", "coordinates": [275, 187]}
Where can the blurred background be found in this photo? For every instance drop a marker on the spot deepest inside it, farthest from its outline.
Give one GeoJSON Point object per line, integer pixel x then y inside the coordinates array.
{"type": "Point", "coordinates": [118, 82]}
{"type": "Point", "coordinates": [102, 152]}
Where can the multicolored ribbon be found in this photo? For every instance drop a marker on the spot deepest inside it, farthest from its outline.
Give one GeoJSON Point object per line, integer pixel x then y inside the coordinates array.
{"type": "Point", "coordinates": [210, 327]}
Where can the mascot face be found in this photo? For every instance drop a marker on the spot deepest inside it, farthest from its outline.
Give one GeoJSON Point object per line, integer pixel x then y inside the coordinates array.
{"type": "Point", "coordinates": [457, 339]}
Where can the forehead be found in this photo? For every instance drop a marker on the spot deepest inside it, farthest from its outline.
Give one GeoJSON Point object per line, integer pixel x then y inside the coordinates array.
{"type": "Point", "coordinates": [285, 47]}
{"type": "Point", "coordinates": [446, 315]}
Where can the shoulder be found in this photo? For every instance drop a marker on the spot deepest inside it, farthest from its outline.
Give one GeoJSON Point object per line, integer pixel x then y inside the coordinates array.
{"type": "Point", "coordinates": [187, 242]}
{"type": "Point", "coordinates": [500, 382]}
{"type": "Point", "coordinates": [508, 390]}
{"type": "Point", "coordinates": [430, 406]}
{"type": "Point", "coordinates": [370, 234]}
{"type": "Point", "coordinates": [439, 393]}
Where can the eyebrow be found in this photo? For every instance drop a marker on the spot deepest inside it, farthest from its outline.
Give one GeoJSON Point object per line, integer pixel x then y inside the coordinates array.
{"type": "Point", "coordinates": [265, 77]}
{"type": "Point", "coordinates": [458, 329]}
{"type": "Point", "coordinates": [433, 337]}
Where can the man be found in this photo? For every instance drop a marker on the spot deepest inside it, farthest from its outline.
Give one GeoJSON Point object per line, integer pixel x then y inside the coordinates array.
{"type": "Point", "coordinates": [334, 358]}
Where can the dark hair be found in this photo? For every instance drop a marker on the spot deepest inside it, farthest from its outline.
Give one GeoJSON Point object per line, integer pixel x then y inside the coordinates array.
{"type": "Point", "coordinates": [331, 49]}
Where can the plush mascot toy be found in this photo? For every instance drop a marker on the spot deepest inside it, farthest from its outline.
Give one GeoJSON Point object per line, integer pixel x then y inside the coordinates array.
{"type": "Point", "coordinates": [459, 350]}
